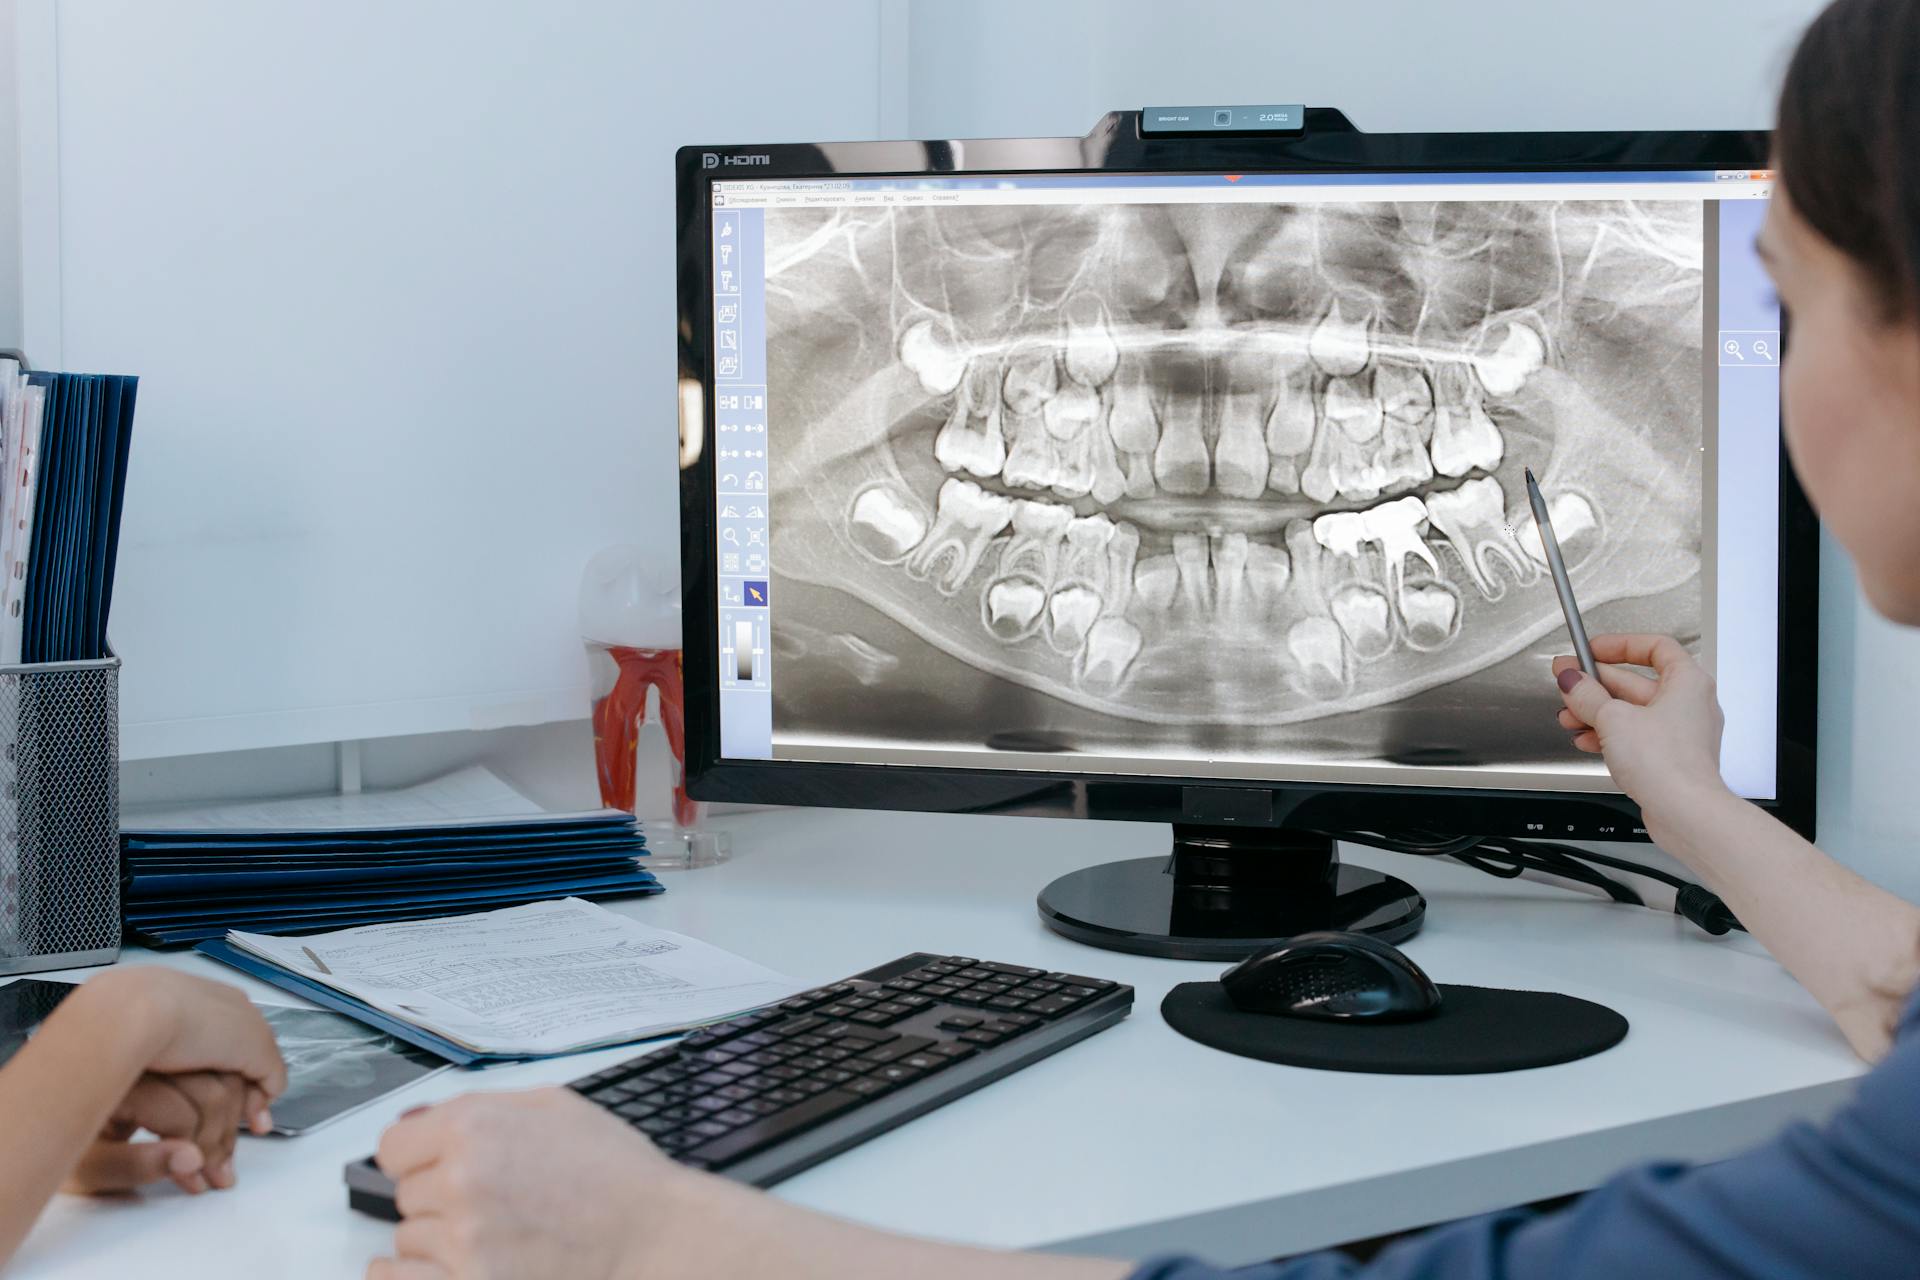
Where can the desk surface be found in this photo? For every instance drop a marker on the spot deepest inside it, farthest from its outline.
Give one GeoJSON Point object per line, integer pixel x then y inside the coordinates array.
{"type": "Point", "coordinates": [1136, 1140]}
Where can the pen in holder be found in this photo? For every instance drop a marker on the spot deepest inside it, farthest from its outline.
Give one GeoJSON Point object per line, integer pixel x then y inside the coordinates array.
{"type": "Point", "coordinates": [59, 815]}
{"type": "Point", "coordinates": [630, 620]}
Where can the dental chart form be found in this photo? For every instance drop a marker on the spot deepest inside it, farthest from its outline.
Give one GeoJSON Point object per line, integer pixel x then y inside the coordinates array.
{"type": "Point", "coordinates": [547, 978]}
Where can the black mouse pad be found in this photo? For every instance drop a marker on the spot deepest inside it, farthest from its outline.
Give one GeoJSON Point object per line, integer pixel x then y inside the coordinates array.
{"type": "Point", "coordinates": [1477, 1029]}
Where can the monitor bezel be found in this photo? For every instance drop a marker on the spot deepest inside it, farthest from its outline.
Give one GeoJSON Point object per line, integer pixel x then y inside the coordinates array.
{"type": "Point", "coordinates": [1328, 143]}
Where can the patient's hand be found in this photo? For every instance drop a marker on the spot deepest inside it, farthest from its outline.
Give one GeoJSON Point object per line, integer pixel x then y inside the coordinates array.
{"type": "Point", "coordinates": [195, 1117]}
{"type": "Point", "coordinates": [542, 1183]}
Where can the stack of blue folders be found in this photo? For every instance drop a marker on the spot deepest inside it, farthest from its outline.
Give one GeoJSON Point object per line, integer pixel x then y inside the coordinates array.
{"type": "Point", "coordinates": [183, 886]}
{"type": "Point", "coordinates": [63, 475]}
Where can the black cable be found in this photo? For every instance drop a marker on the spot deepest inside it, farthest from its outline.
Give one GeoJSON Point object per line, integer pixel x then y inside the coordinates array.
{"type": "Point", "coordinates": [1509, 857]}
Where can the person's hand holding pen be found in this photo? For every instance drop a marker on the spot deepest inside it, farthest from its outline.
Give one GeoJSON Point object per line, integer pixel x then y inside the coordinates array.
{"type": "Point", "coordinates": [1659, 734]}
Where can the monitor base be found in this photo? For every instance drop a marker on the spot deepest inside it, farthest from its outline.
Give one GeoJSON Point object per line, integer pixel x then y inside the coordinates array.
{"type": "Point", "coordinates": [1227, 893]}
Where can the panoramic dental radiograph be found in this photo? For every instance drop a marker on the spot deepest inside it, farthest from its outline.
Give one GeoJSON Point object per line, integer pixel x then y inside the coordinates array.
{"type": "Point", "coordinates": [1136, 480]}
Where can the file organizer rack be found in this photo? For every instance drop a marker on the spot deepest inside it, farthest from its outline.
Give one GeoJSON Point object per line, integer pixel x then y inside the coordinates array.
{"type": "Point", "coordinates": [59, 815]}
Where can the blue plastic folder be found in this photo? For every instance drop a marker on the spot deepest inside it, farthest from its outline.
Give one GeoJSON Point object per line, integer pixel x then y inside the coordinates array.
{"type": "Point", "coordinates": [328, 998]}
{"type": "Point", "coordinates": [79, 490]}
{"type": "Point", "coordinates": [187, 886]}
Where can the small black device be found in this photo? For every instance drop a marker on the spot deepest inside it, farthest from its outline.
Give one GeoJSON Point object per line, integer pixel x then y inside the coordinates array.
{"type": "Point", "coordinates": [1345, 977]}
{"type": "Point", "coordinates": [762, 1096]}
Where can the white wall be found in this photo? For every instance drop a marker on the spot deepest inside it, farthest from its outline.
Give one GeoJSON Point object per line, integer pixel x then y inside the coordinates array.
{"type": "Point", "coordinates": [994, 68]}
{"type": "Point", "coordinates": [399, 283]}
{"type": "Point", "coordinates": [10, 326]}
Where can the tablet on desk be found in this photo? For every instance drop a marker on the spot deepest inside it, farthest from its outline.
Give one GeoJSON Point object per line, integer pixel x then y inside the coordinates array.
{"type": "Point", "coordinates": [335, 1066]}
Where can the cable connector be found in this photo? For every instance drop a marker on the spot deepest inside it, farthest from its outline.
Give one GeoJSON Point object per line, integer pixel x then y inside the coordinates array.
{"type": "Point", "coordinates": [1703, 906]}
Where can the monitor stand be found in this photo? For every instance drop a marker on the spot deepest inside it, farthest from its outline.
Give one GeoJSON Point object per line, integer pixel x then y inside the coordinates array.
{"type": "Point", "coordinates": [1226, 893]}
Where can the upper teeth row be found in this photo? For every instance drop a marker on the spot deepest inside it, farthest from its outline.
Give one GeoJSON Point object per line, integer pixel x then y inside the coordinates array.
{"type": "Point", "coordinates": [1076, 418]}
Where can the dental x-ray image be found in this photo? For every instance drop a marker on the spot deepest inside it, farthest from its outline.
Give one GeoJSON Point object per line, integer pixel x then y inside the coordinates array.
{"type": "Point", "coordinates": [1223, 481]}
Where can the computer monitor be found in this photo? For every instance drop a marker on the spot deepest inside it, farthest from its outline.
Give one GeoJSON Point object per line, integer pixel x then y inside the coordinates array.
{"type": "Point", "coordinates": [1172, 474]}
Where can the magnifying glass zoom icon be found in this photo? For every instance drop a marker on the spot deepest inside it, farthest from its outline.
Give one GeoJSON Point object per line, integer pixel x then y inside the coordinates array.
{"type": "Point", "coordinates": [1732, 348]}
{"type": "Point", "coordinates": [1760, 349]}
{"type": "Point", "coordinates": [728, 535]}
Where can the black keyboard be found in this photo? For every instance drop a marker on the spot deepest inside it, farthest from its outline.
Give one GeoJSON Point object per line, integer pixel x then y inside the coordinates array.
{"type": "Point", "coordinates": [762, 1096]}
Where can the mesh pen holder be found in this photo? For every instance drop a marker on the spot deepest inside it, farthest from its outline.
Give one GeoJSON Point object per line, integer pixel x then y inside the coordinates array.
{"type": "Point", "coordinates": [59, 815]}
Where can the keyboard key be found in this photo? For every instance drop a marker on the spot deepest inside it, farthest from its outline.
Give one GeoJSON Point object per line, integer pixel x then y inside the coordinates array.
{"type": "Point", "coordinates": [681, 1115]}
{"type": "Point", "coordinates": [673, 1142]}
{"type": "Point", "coordinates": [961, 962]}
{"type": "Point", "coordinates": [713, 1079]}
{"type": "Point", "coordinates": [967, 997]}
{"type": "Point", "coordinates": [854, 1037]}
{"type": "Point", "coordinates": [736, 1069]}
{"type": "Point", "coordinates": [961, 1022]}
{"type": "Point", "coordinates": [975, 974]}
{"type": "Point", "coordinates": [1007, 1029]}
{"type": "Point", "coordinates": [861, 1002]}
{"type": "Point", "coordinates": [1006, 1002]}
{"type": "Point", "coordinates": [736, 1117]}
{"type": "Point", "coordinates": [785, 1097]}
{"type": "Point", "coordinates": [735, 1093]}
{"type": "Point", "coordinates": [895, 1074]}
{"type": "Point", "coordinates": [866, 1086]}
{"type": "Point", "coordinates": [709, 1128]}
{"type": "Point", "coordinates": [611, 1096]}
{"type": "Point", "coordinates": [834, 1052]}
{"type": "Point", "coordinates": [748, 1139]}
{"type": "Point", "coordinates": [1015, 970]}
{"type": "Point", "coordinates": [1044, 987]}
{"type": "Point", "coordinates": [925, 1061]}
{"type": "Point", "coordinates": [899, 1048]}
{"type": "Point", "coordinates": [809, 1086]}
{"type": "Point", "coordinates": [982, 1036]}
{"type": "Point", "coordinates": [634, 1110]}
{"type": "Point", "coordinates": [711, 1103]}
{"type": "Point", "coordinates": [953, 1051]}
{"type": "Point", "coordinates": [1019, 1019]}
{"type": "Point", "coordinates": [914, 1002]}
{"type": "Point", "coordinates": [893, 1008]}
{"type": "Point", "coordinates": [758, 1040]}
{"type": "Point", "coordinates": [837, 1010]}
{"type": "Point", "coordinates": [798, 1027]}
{"type": "Point", "coordinates": [834, 1075]}
{"type": "Point", "coordinates": [1048, 1006]}
{"type": "Point", "coordinates": [903, 984]}
{"type": "Point", "coordinates": [761, 1107]}
{"type": "Point", "coordinates": [809, 1062]}
{"type": "Point", "coordinates": [1075, 980]}
{"type": "Point", "coordinates": [655, 1126]}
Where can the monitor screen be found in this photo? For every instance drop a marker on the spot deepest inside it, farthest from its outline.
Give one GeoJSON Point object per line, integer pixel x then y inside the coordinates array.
{"type": "Point", "coordinates": [1219, 476]}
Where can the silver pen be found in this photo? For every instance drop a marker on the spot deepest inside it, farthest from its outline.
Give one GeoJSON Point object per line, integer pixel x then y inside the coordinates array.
{"type": "Point", "coordinates": [1561, 586]}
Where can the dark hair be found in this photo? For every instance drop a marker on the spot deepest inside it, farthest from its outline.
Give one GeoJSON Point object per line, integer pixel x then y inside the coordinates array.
{"type": "Point", "coordinates": [1848, 140]}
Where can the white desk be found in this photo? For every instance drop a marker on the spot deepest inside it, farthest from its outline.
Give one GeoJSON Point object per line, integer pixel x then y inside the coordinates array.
{"type": "Point", "coordinates": [1135, 1140]}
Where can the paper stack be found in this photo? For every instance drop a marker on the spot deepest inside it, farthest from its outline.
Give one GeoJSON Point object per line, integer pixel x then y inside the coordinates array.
{"type": "Point", "coordinates": [461, 843]}
{"type": "Point", "coordinates": [527, 982]}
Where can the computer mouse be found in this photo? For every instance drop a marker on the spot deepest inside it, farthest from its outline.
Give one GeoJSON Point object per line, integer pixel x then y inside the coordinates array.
{"type": "Point", "coordinates": [1349, 977]}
